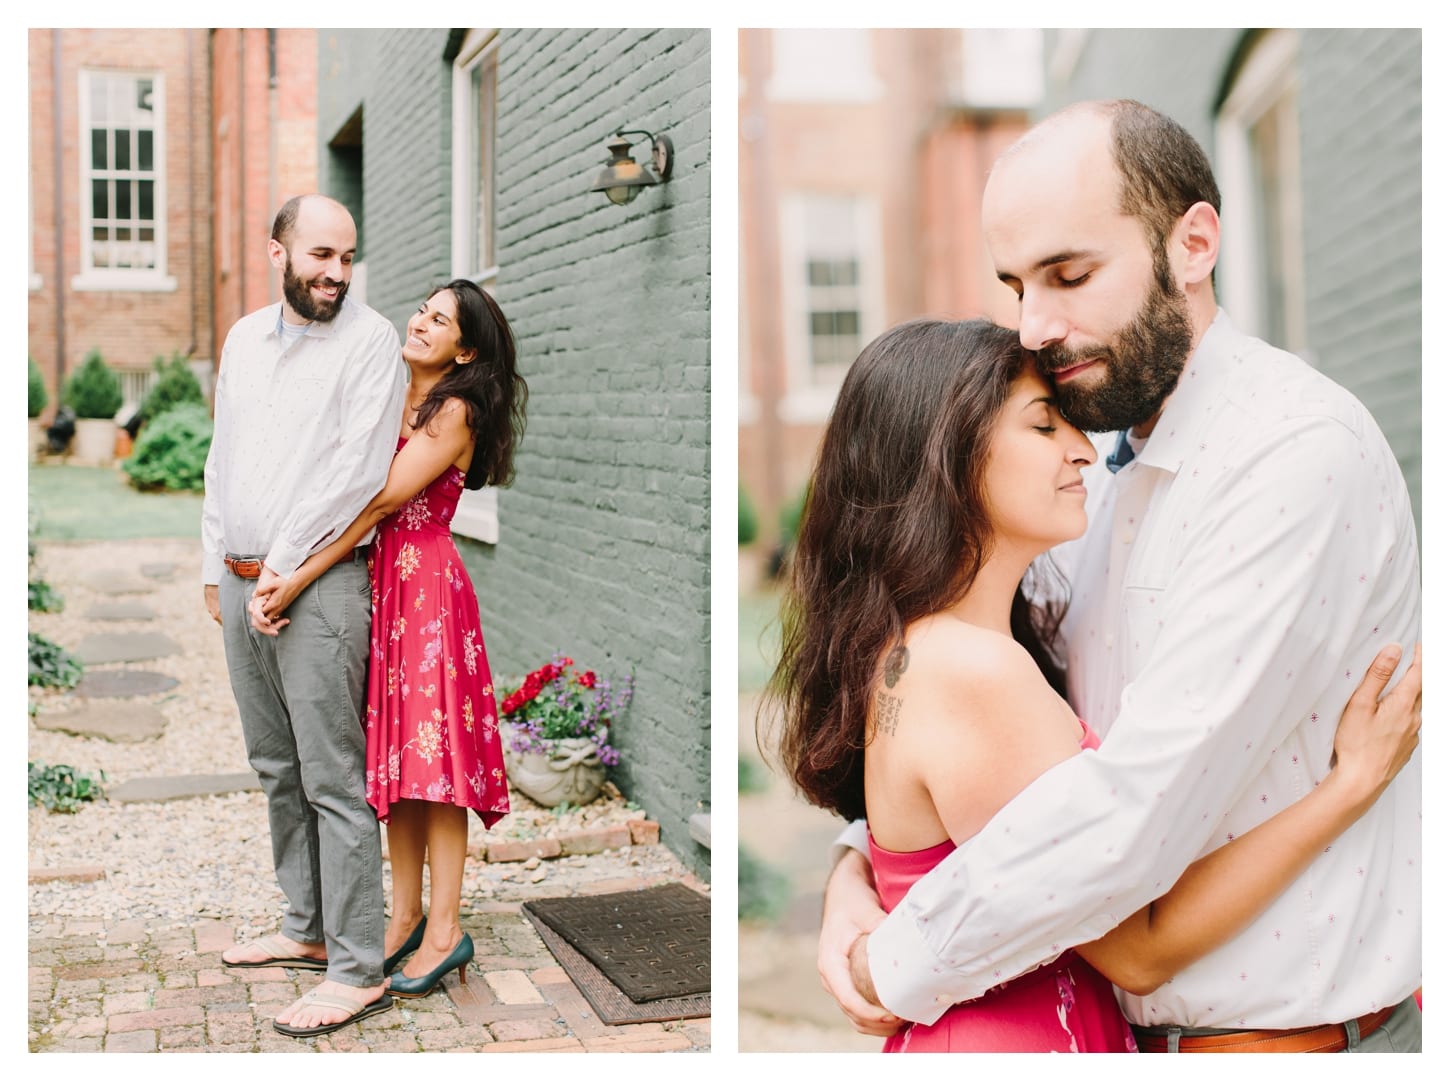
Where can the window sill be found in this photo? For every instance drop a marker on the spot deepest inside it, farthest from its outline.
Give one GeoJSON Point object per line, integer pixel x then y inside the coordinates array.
{"type": "Point", "coordinates": [108, 281]}
{"type": "Point", "coordinates": [477, 515]}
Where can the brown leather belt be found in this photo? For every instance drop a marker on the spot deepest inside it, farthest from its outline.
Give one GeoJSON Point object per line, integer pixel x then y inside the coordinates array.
{"type": "Point", "coordinates": [1321, 1038]}
{"type": "Point", "coordinates": [244, 568]}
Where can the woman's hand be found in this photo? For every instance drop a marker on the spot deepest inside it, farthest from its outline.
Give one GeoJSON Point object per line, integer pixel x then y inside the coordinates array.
{"type": "Point", "coordinates": [1377, 736]}
{"type": "Point", "coordinates": [272, 597]}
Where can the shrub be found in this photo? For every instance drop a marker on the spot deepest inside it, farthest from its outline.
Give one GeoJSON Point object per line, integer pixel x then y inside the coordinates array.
{"type": "Point", "coordinates": [171, 451]}
{"type": "Point", "coordinates": [61, 788]}
{"type": "Point", "coordinates": [51, 665]}
{"type": "Point", "coordinates": [749, 526]}
{"type": "Point", "coordinates": [764, 892]}
{"type": "Point", "coordinates": [94, 391]}
{"type": "Point", "coordinates": [43, 598]}
{"type": "Point", "coordinates": [39, 399]}
{"type": "Point", "coordinates": [175, 385]}
{"type": "Point", "coordinates": [790, 517]}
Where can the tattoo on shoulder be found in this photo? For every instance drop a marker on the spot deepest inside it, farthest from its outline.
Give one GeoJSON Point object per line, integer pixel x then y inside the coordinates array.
{"type": "Point", "coordinates": [896, 662]}
{"type": "Point", "coordinates": [888, 712]}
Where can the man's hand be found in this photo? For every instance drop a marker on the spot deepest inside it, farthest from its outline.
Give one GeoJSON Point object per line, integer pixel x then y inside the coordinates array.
{"type": "Point", "coordinates": [852, 910]}
{"type": "Point", "coordinates": [268, 584]}
{"type": "Point", "coordinates": [211, 598]}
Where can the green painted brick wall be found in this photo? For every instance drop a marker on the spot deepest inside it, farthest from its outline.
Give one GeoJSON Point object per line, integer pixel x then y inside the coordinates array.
{"type": "Point", "coordinates": [604, 537]}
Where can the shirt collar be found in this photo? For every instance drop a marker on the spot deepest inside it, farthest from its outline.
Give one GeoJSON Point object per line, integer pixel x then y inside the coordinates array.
{"type": "Point", "coordinates": [314, 329]}
{"type": "Point", "coordinates": [1200, 388]}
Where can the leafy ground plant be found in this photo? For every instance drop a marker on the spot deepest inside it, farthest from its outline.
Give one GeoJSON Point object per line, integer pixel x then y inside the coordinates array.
{"type": "Point", "coordinates": [63, 788]}
{"type": "Point", "coordinates": [51, 665]}
{"type": "Point", "coordinates": [764, 892]}
{"type": "Point", "coordinates": [43, 597]}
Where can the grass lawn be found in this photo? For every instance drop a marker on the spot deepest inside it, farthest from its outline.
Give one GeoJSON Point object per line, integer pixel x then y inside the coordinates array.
{"type": "Point", "coordinates": [87, 503]}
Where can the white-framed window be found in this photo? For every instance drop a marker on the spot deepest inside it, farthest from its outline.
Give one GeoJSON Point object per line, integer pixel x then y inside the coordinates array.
{"type": "Point", "coordinates": [122, 182]}
{"type": "Point", "coordinates": [1261, 263]}
{"type": "Point", "coordinates": [823, 65]}
{"type": "Point", "coordinates": [831, 294]}
{"type": "Point", "coordinates": [475, 119]}
{"type": "Point", "coordinates": [1002, 68]}
{"type": "Point", "coordinates": [475, 236]}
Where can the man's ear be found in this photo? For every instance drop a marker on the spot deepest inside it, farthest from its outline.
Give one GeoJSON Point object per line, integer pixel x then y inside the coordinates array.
{"type": "Point", "coordinates": [277, 254]}
{"type": "Point", "coordinates": [1194, 244]}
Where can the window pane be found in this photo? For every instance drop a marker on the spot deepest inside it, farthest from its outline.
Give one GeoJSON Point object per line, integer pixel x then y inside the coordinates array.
{"type": "Point", "coordinates": [818, 272]}
{"type": "Point", "coordinates": [100, 206]}
{"type": "Point", "coordinates": [98, 149]}
{"type": "Point", "coordinates": [484, 82]}
{"type": "Point", "coordinates": [147, 210]}
{"type": "Point", "coordinates": [123, 148]}
{"type": "Point", "coordinates": [123, 199]}
{"type": "Point", "coordinates": [100, 246]}
{"type": "Point", "coordinates": [848, 323]}
{"type": "Point", "coordinates": [143, 150]}
{"type": "Point", "coordinates": [143, 96]}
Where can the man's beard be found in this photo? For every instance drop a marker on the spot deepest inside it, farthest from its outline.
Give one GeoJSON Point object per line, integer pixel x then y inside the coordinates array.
{"type": "Point", "coordinates": [1142, 364]}
{"type": "Point", "coordinates": [300, 299]}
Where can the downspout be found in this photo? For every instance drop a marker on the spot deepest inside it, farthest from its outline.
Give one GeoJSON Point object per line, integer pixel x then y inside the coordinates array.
{"type": "Point", "coordinates": [191, 175]}
{"type": "Point", "coordinates": [241, 157]}
{"type": "Point", "coordinates": [58, 195]}
{"type": "Point", "coordinates": [272, 119]}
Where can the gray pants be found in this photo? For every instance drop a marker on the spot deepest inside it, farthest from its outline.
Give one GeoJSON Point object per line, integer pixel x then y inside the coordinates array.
{"type": "Point", "coordinates": [300, 698]}
{"type": "Point", "coordinates": [1399, 1032]}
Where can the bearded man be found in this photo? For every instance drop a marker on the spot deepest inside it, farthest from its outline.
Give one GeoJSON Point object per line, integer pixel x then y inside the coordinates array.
{"type": "Point", "coordinates": [1250, 546]}
{"type": "Point", "coordinates": [309, 398]}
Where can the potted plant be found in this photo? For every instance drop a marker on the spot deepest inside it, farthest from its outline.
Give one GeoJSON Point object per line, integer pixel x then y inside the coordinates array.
{"type": "Point", "coordinates": [39, 399]}
{"type": "Point", "coordinates": [94, 392]}
{"type": "Point", "coordinates": [556, 729]}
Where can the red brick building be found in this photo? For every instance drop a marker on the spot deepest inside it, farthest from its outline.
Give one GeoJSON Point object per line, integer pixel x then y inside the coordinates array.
{"type": "Point", "coordinates": [120, 201]}
{"type": "Point", "coordinates": [264, 151]}
{"type": "Point", "coordinates": [157, 161]}
{"type": "Point", "coordinates": [862, 159]}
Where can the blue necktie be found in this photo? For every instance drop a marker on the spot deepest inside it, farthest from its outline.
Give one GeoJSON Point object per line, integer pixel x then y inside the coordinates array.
{"type": "Point", "coordinates": [1122, 453]}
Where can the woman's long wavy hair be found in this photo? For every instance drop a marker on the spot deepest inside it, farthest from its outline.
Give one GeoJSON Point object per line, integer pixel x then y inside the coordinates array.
{"type": "Point", "coordinates": [489, 386]}
{"type": "Point", "coordinates": [895, 528]}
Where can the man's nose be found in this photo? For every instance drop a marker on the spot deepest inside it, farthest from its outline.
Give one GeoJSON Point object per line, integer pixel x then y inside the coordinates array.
{"type": "Point", "coordinates": [1041, 323]}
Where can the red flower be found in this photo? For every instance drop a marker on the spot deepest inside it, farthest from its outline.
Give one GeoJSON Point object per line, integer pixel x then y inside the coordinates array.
{"type": "Point", "coordinates": [587, 679]}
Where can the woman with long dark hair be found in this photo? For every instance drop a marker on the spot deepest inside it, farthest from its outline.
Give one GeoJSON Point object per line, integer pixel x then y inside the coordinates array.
{"type": "Point", "coordinates": [433, 746]}
{"type": "Point", "coordinates": [919, 689]}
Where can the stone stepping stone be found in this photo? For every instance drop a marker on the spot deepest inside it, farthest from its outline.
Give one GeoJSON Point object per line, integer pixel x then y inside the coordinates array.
{"type": "Point", "coordinates": [122, 683]}
{"type": "Point", "coordinates": [115, 586]}
{"type": "Point", "coordinates": [119, 722]}
{"type": "Point", "coordinates": [162, 789]}
{"type": "Point", "coordinates": [120, 646]}
{"type": "Point", "coordinates": [117, 611]}
{"type": "Point", "coordinates": [158, 570]}
{"type": "Point", "coordinates": [70, 872]}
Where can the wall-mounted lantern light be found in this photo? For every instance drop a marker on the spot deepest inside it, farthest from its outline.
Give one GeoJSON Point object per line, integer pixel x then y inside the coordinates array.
{"type": "Point", "coordinates": [622, 176]}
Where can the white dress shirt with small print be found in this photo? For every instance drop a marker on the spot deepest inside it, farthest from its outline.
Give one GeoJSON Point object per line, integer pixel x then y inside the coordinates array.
{"type": "Point", "coordinates": [305, 432]}
{"type": "Point", "coordinates": [1235, 581]}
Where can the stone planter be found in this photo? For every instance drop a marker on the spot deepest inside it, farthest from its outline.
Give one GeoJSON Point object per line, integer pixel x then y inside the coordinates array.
{"type": "Point", "coordinates": [37, 437]}
{"type": "Point", "coordinates": [94, 442]}
{"type": "Point", "coordinates": [570, 771]}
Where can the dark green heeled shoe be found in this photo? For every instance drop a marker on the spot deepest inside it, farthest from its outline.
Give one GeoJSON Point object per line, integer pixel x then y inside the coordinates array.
{"type": "Point", "coordinates": [404, 987]}
{"type": "Point", "coordinates": [414, 941]}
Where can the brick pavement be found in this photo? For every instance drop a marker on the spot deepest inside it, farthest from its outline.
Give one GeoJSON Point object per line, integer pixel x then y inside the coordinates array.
{"type": "Point", "coordinates": [127, 986]}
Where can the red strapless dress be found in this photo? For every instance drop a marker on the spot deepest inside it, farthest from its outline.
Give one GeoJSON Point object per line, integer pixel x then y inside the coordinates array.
{"type": "Point", "coordinates": [1066, 1005]}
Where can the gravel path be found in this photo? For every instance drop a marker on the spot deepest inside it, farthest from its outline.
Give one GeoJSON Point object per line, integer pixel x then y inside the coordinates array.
{"type": "Point", "coordinates": [210, 857]}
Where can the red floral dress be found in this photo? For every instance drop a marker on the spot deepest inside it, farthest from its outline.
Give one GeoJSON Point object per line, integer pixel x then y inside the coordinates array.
{"type": "Point", "coordinates": [432, 726]}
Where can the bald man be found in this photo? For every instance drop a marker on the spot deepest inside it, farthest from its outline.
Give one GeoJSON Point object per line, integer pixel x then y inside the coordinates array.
{"type": "Point", "coordinates": [308, 401]}
{"type": "Point", "coordinates": [1250, 547]}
